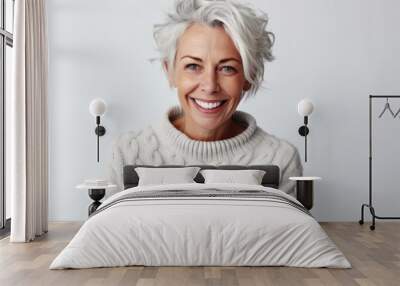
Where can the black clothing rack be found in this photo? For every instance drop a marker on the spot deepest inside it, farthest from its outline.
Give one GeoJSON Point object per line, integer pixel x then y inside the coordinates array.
{"type": "Point", "coordinates": [370, 205]}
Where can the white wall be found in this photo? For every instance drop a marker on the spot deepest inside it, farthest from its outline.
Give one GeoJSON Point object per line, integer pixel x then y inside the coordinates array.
{"type": "Point", "coordinates": [333, 52]}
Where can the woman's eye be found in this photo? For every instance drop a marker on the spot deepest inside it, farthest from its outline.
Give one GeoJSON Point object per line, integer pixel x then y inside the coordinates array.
{"type": "Point", "coordinates": [193, 67]}
{"type": "Point", "coordinates": [228, 69]}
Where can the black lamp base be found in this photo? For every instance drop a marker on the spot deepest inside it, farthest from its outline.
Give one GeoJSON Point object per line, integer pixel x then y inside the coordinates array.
{"type": "Point", "coordinates": [303, 130]}
{"type": "Point", "coordinates": [100, 130]}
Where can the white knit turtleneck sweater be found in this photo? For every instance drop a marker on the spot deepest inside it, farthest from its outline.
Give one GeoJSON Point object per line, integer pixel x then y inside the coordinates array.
{"type": "Point", "coordinates": [165, 145]}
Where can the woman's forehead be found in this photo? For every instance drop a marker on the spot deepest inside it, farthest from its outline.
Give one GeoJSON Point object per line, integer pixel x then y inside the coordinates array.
{"type": "Point", "coordinates": [202, 41]}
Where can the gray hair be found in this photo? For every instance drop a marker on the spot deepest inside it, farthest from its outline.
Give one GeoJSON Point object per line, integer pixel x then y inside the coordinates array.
{"type": "Point", "coordinates": [242, 24]}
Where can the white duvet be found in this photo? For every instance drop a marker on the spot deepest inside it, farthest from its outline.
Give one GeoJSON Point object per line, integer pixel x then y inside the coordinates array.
{"type": "Point", "coordinates": [200, 231]}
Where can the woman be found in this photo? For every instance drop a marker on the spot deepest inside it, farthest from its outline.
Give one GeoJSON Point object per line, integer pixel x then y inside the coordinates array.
{"type": "Point", "coordinates": [213, 53]}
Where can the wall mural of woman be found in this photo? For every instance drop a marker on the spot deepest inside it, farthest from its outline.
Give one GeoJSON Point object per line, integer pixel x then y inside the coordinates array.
{"type": "Point", "coordinates": [213, 53]}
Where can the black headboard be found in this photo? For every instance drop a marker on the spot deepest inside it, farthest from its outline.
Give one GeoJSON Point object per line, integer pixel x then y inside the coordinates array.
{"type": "Point", "coordinates": [270, 179]}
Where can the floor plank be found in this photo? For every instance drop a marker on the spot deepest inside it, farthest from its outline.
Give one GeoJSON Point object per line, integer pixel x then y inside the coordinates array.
{"type": "Point", "coordinates": [374, 255]}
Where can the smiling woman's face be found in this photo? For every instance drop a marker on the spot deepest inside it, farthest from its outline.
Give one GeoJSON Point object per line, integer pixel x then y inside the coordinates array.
{"type": "Point", "coordinates": [209, 78]}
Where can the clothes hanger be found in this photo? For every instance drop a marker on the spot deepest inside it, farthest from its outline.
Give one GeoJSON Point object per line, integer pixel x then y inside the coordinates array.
{"type": "Point", "coordinates": [387, 107]}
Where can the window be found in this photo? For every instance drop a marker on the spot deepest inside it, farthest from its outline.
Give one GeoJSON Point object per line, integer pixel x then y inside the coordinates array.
{"type": "Point", "coordinates": [6, 44]}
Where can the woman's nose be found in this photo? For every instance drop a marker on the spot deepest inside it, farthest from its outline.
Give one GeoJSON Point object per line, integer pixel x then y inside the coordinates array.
{"type": "Point", "coordinates": [209, 82]}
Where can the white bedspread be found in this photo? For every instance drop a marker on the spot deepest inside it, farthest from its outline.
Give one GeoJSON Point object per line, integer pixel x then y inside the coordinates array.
{"type": "Point", "coordinates": [200, 231]}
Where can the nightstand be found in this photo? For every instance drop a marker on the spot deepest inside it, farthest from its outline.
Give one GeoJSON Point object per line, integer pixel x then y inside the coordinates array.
{"type": "Point", "coordinates": [96, 193]}
{"type": "Point", "coordinates": [304, 190]}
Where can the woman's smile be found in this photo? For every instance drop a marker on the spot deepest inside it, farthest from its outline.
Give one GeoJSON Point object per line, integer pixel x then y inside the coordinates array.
{"type": "Point", "coordinates": [207, 106]}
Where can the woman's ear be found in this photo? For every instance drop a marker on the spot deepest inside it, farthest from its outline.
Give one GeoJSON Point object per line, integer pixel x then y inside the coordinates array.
{"type": "Point", "coordinates": [246, 86]}
{"type": "Point", "coordinates": [169, 73]}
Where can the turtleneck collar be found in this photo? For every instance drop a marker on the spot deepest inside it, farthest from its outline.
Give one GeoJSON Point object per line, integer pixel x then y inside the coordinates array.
{"type": "Point", "coordinates": [207, 150]}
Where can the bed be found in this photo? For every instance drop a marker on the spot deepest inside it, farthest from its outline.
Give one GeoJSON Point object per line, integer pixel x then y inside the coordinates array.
{"type": "Point", "coordinates": [198, 224]}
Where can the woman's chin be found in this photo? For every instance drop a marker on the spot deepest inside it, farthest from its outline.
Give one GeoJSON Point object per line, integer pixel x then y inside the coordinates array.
{"type": "Point", "coordinates": [209, 121]}
{"type": "Point", "coordinates": [205, 120]}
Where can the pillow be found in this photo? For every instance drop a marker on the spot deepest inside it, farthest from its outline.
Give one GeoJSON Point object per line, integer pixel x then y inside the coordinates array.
{"type": "Point", "coordinates": [162, 176]}
{"type": "Point", "coordinates": [248, 177]}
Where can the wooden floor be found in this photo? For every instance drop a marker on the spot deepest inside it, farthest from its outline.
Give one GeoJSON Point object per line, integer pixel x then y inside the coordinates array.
{"type": "Point", "coordinates": [375, 257]}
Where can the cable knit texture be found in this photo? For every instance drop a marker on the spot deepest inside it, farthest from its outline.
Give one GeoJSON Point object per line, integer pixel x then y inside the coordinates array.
{"type": "Point", "coordinates": [163, 144]}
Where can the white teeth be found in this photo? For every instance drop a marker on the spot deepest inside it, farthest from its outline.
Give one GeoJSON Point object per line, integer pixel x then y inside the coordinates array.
{"type": "Point", "coordinates": [208, 105]}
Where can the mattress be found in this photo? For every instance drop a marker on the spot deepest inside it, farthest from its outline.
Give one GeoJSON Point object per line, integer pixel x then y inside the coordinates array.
{"type": "Point", "coordinates": [201, 225]}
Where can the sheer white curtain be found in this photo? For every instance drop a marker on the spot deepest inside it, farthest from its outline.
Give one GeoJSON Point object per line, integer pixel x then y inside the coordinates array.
{"type": "Point", "coordinates": [28, 123]}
